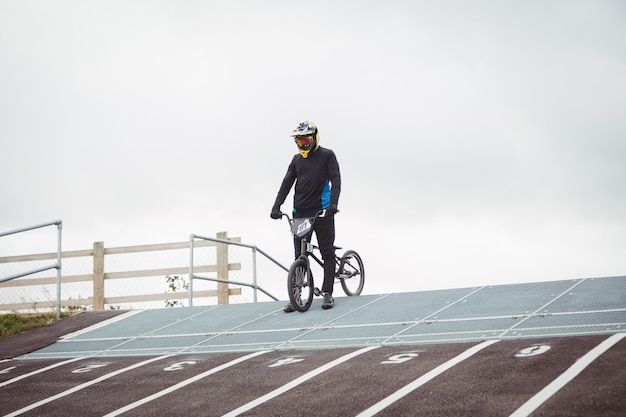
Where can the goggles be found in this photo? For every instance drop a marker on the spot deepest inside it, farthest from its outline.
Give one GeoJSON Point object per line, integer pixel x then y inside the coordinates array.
{"type": "Point", "coordinates": [304, 141]}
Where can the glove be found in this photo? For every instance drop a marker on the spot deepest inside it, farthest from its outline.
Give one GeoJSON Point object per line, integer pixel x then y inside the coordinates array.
{"type": "Point", "coordinates": [276, 214]}
{"type": "Point", "coordinates": [332, 209]}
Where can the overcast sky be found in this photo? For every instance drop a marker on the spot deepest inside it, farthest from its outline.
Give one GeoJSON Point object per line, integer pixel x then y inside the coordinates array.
{"type": "Point", "coordinates": [480, 142]}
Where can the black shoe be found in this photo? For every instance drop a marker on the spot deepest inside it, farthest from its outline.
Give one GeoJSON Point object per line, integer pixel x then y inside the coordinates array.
{"type": "Point", "coordinates": [328, 301]}
{"type": "Point", "coordinates": [289, 308]}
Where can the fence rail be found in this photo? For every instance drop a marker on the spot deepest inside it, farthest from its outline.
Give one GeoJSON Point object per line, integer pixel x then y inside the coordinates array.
{"type": "Point", "coordinates": [99, 276]}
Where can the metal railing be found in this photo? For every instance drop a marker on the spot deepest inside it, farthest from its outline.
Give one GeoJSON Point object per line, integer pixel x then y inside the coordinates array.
{"type": "Point", "coordinates": [56, 266]}
{"type": "Point", "coordinates": [254, 283]}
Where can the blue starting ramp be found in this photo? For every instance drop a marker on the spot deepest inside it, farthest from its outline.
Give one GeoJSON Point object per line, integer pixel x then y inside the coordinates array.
{"type": "Point", "coordinates": [515, 311]}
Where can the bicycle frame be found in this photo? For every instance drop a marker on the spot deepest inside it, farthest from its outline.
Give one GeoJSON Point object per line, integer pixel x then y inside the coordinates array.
{"type": "Point", "coordinates": [303, 228]}
{"type": "Point", "coordinates": [306, 247]}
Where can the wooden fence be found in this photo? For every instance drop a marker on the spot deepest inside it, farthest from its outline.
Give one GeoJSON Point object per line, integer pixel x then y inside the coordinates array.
{"type": "Point", "coordinates": [99, 276]}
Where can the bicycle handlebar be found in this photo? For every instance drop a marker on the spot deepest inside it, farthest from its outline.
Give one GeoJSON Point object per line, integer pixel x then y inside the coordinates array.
{"type": "Point", "coordinates": [321, 213]}
{"type": "Point", "coordinates": [303, 225]}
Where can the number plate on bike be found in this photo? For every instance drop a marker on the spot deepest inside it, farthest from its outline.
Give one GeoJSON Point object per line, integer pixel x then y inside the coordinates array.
{"type": "Point", "coordinates": [301, 227]}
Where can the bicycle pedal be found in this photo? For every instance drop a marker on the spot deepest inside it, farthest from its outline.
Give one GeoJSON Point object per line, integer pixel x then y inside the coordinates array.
{"type": "Point", "coordinates": [317, 292]}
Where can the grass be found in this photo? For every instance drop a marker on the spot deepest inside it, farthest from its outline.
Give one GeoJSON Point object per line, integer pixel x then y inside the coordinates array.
{"type": "Point", "coordinates": [12, 324]}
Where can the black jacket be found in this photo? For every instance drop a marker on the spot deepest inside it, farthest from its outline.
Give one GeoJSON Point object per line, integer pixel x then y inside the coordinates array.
{"type": "Point", "coordinates": [318, 182]}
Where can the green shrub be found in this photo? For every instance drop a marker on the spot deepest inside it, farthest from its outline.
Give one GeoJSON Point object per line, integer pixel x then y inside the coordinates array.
{"type": "Point", "coordinates": [11, 324]}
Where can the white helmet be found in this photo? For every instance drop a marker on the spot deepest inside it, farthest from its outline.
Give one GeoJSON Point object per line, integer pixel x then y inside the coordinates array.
{"type": "Point", "coordinates": [307, 137]}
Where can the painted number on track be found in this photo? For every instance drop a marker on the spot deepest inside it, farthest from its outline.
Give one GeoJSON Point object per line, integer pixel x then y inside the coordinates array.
{"type": "Point", "coordinates": [532, 351]}
{"type": "Point", "coordinates": [178, 366]}
{"type": "Point", "coordinates": [7, 370]}
{"type": "Point", "coordinates": [285, 361]}
{"type": "Point", "coordinates": [89, 367]}
{"type": "Point", "coordinates": [402, 357]}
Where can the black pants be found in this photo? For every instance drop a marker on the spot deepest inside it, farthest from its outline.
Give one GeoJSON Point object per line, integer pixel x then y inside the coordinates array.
{"type": "Point", "coordinates": [324, 229]}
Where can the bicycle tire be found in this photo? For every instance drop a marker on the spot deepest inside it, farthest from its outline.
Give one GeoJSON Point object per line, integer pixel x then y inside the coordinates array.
{"type": "Point", "coordinates": [300, 285]}
{"type": "Point", "coordinates": [351, 273]}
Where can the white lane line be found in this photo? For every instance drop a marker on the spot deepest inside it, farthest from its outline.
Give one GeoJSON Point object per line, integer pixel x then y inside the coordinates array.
{"type": "Point", "coordinates": [38, 371]}
{"type": "Point", "coordinates": [281, 390]}
{"type": "Point", "coordinates": [542, 396]}
{"type": "Point", "coordinates": [407, 389]}
{"type": "Point", "coordinates": [100, 324]}
{"type": "Point", "coordinates": [83, 386]}
{"type": "Point", "coordinates": [184, 383]}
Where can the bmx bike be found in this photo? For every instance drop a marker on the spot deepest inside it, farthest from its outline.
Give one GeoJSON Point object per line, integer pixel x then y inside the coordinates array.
{"type": "Point", "coordinates": [349, 270]}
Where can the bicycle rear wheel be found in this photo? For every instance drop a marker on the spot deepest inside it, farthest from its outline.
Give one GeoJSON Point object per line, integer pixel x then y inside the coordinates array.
{"type": "Point", "coordinates": [300, 285]}
{"type": "Point", "coordinates": [351, 273]}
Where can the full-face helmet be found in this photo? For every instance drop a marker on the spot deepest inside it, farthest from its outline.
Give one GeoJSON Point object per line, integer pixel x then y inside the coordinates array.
{"type": "Point", "coordinates": [307, 137]}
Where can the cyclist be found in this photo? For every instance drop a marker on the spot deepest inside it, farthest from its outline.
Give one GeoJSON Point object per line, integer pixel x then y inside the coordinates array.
{"type": "Point", "coordinates": [315, 172]}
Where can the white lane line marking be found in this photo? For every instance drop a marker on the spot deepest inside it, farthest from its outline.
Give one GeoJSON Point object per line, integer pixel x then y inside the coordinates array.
{"type": "Point", "coordinates": [407, 389]}
{"type": "Point", "coordinates": [542, 396]}
{"type": "Point", "coordinates": [281, 390]}
{"type": "Point", "coordinates": [98, 325]}
{"type": "Point", "coordinates": [83, 386]}
{"type": "Point", "coordinates": [184, 383]}
{"type": "Point", "coordinates": [38, 371]}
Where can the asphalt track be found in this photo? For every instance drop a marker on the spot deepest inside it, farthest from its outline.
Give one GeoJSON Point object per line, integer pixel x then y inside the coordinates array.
{"type": "Point", "coordinates": [575, 368]}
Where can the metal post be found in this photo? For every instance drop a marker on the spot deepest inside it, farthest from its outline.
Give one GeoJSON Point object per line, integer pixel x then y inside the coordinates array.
{"type": "Point", "coordinates": [58, 267]}
{"type": "Point", "coordinates": [254, 272]}
{"type": "Point", "coordinates": [191, 240]}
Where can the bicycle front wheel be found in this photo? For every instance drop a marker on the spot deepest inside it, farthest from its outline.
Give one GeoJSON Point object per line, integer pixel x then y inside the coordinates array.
{"type": "Point", "coordinates": [351, 273]}
{"type": "Point", "coordinates": [300, 285]}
